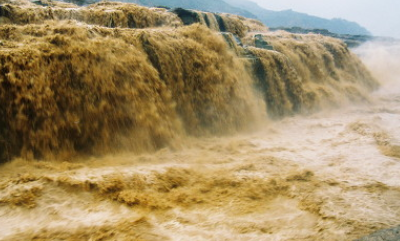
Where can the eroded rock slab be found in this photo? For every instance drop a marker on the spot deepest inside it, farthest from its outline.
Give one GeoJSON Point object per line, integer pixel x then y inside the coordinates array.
{"type": "Point", "coordinates": [392, 234]}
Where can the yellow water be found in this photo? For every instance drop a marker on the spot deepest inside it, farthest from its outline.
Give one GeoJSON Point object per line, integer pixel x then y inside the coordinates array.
{"type": "Point", "coordinates": [71, 88]}
{"type": "Point", "coordinates": [158, 134]}
{"type": "Point", "coordinates": [305, 73]}
{"type": "Point", "coordinates": [321, 177]}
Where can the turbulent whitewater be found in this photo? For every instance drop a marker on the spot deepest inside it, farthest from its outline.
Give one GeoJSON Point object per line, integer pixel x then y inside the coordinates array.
{"type": "Point", "coordinates": [119, 122]}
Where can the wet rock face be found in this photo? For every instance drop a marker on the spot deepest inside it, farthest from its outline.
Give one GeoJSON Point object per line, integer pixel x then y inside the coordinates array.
{"type": "Point", "coordinates": [218, 22]}
{"type": "Point", "coordinates": [188, 17]}
{"type": "Point", "coordinates": [392, 234]}
{"type": "Point", "coordinates": [221, 23]}
{"type": "Point", "coordinates": [261, 43]}
{"type": "Point", "coordinates": [5, 10]}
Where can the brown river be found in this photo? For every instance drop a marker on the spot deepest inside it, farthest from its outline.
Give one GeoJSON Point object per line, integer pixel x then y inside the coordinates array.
{"type": "Point", "coordinates": [332, 175]}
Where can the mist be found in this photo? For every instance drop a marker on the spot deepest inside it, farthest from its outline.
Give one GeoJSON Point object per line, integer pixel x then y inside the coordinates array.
{"type": "Point", "coordinates": [382, 58]}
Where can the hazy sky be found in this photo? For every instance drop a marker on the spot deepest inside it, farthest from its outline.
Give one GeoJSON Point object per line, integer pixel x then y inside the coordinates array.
{"type": "Point", "coordinates": [380, 17]}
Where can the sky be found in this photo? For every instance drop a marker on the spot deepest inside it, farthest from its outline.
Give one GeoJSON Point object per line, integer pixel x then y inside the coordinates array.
{"type": "Point", "coordinates": [380, 17]}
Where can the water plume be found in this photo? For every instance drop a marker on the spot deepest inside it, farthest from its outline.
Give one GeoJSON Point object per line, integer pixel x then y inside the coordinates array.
{"type": "Point", "coordinates": [75, 88]}
{"type": "Point", "coordinates": [195, 63]}
{"type": "Point", "coordinates": [307, 72]}
{"type": "Point", "coordinates": [107, 14]}
{"type": "Point", "coordinates": [381, 58]}
{"type": "Point", "coordinates": [61, 93]}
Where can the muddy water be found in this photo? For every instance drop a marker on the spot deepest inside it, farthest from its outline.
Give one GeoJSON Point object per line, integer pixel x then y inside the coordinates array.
{"type": "Point", "coordinates": [328, 176]}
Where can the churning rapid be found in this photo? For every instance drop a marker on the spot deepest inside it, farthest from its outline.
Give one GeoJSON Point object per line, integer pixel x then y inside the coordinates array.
{"type": "Point", "coordinates": [120, 122]}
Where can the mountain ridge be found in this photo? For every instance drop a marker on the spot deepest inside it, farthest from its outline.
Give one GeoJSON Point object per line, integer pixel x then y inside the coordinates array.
{"type": "Point", "coordinates": [290, 18]}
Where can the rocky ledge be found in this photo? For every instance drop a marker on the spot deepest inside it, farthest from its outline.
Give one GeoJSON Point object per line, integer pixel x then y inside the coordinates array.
{"type": "Point", "coordinates": [392, 234]}
{"type": "Point", "coordinates": [351, 41]}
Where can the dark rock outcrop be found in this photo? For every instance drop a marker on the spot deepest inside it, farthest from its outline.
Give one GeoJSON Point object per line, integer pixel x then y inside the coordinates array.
{"type": "Point", "coordinates": [392, 234]}
{"type": "Point", "coordinates": [5, 11]}
{"type": "Point", "coordinates": [188, 17]}
{"type": "Point", "coordinates": [261, 43]}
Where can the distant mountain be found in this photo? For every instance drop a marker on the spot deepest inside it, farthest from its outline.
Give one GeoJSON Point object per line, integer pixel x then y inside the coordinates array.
{"type": "Point", "coordinates": [289, 18]}
{"type": "Point", "coordinates": [204, 5]}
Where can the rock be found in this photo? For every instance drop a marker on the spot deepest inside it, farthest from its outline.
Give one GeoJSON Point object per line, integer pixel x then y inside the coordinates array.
{"type": "Point", "coordinates": [162, 6]}
{"type": "Point", "coordinates": [231, 39]}
{"type": "Point", "coordinates": [5, 11]}
{"type": "Point", "coordinates": [40, 3]}
{"type": "Point", "coordinates": [392, 234]}
{"type": "Point", "coordinates": [261, 43]}
{"type": "Point", "coordinates": [188, 17]}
